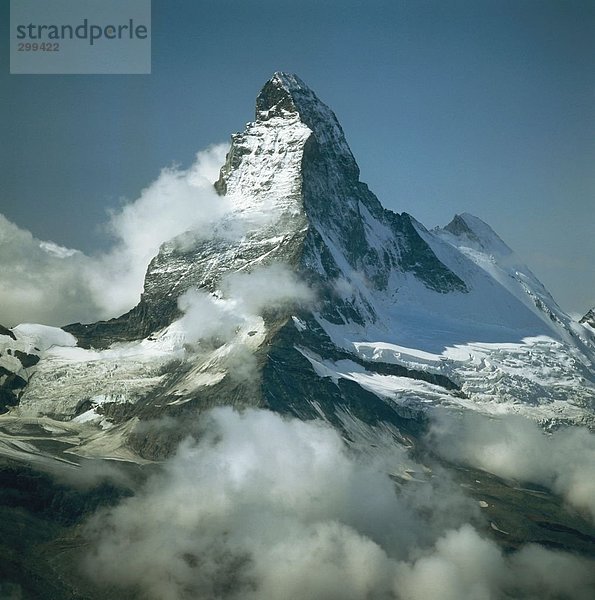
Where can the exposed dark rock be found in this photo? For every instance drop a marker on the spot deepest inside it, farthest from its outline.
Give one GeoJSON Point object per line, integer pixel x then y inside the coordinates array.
{"type": "Point", "coordinates": [27, 360]}
{"type": "Point", "coordinates": [8, 332]}
{"type": "Point", "coordinates": [11, 385]}
{"type": "Point", "coordinates": [39, 541]}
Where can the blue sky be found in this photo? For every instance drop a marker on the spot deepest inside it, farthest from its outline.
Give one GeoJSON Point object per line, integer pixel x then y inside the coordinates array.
{"type": "Point", "coordinates": [449, 106]}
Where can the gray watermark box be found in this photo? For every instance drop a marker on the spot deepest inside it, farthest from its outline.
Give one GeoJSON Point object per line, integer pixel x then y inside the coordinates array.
{"type": "Point", "coordinates": [80, 37]}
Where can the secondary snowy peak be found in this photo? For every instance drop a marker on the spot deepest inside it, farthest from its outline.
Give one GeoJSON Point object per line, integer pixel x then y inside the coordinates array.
{"type": "Point", "coordinates": [476, 240]}
{"type": "Point", "coordinates": [477, 233]}
{"type": "Point", "coordinates": [589, 318]}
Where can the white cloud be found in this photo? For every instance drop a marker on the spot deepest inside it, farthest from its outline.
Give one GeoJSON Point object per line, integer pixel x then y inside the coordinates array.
{"type": "Point", "coordinates": [207, 316]}
{"type": "Point", "coordinates": [41, 282]}
{"type": "Point", "coordinates": [465, 565]}
{"type": "Point", "coordinates": [264, 508]}
{"type": "Point", "coordinates": [462, 565]}
{"type": "Point", "coordinates": [46, 283]}
{"type": "Point", "coordinates": [260, 507]}
{"type": "Point", "coordinates": [244, 298]}
{"type": "Point", "coordinates": [178, 201]}
{"type": "Point", "coordinates": [272, 287]}
{"type": "Point", "coordinates": [234, 316]}
{"type": "Point", "coordinates": [516, 448]}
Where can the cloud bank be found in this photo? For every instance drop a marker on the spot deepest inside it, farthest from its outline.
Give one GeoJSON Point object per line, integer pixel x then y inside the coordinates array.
{"type": "Point", "coordinates": [515, 448]}
{"type": "Point", "coordinates": [41, 282]}
{"type": "Point", "coordinates": [46, 283]}
{"type": "Point", "coordinates": [262, 507]}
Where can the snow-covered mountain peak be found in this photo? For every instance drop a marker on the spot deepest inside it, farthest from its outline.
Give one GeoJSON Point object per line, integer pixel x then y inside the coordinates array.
{"type": "Point", "coordinates": [589, 319]}
{"type": "Point", "coordinates": [310, 299]}
{"type": "Point", "coordinates": [481, 246]}
{"type": "Point", "coordinates": [282, 92]}
{"type": "Point", "coordinates": [478, 234]}
{"type": "Point", "coordinates": [285, 94]}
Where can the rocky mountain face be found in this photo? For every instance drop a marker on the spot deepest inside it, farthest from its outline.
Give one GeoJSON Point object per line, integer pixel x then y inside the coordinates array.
{"type": "Point", "coordinates": [308, 298]}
